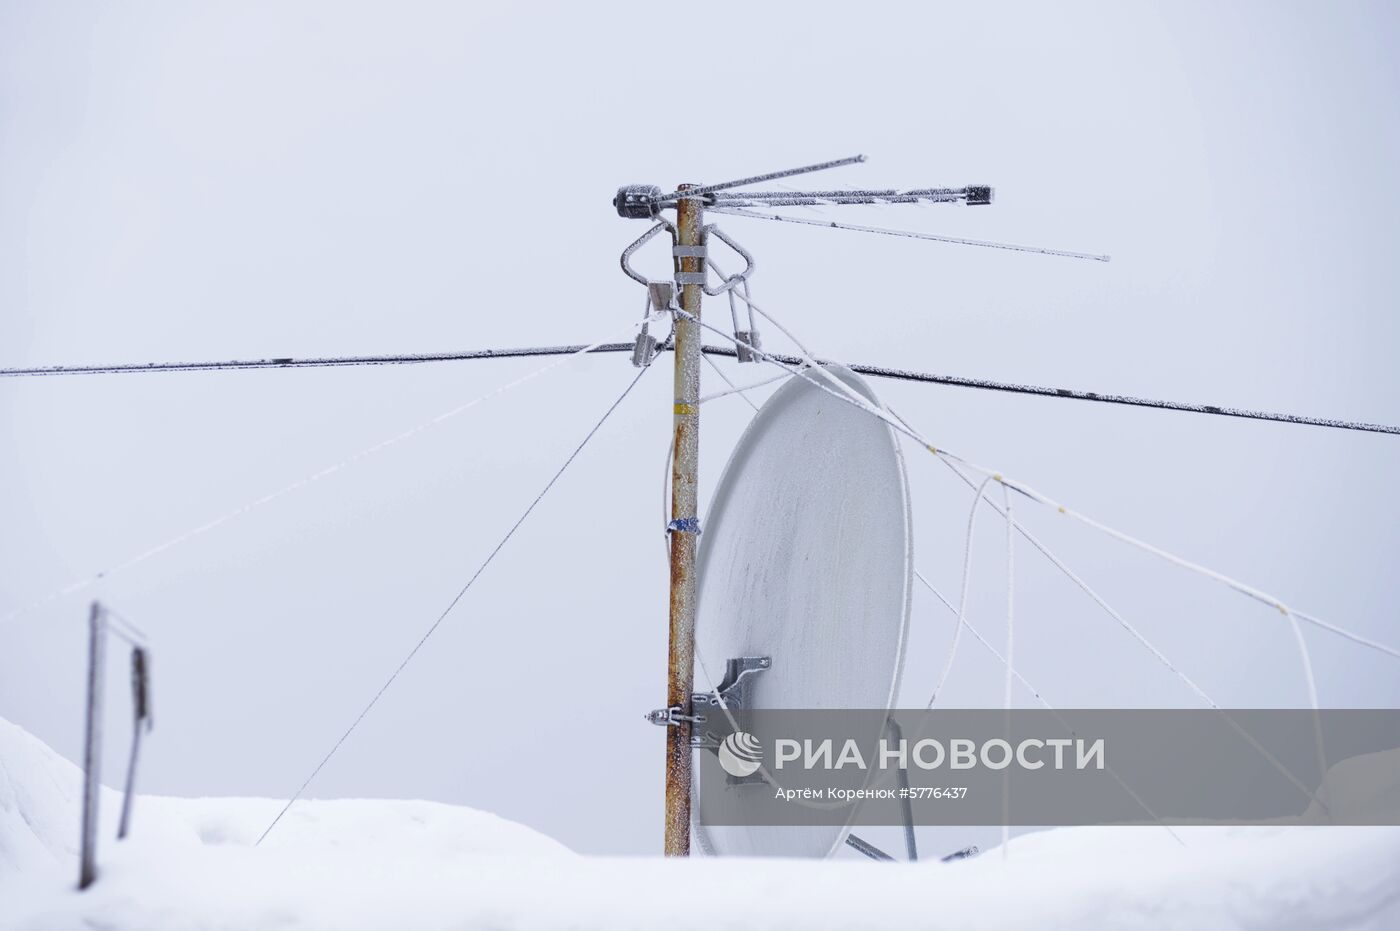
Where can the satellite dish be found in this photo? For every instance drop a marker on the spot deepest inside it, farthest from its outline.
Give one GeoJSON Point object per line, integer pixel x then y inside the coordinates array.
{"type": "Point", "coordinates": [806, 558]}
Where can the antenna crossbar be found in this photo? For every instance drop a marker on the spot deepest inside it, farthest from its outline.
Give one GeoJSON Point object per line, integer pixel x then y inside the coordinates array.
{"type": "Point", "coordinates": [972, 194]}
{"type": "Point", "coordinates": [703, 189]}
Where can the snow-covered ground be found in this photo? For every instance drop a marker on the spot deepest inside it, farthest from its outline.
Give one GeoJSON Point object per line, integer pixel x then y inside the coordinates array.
{"type": "Point", "coordinates": [190, 863]}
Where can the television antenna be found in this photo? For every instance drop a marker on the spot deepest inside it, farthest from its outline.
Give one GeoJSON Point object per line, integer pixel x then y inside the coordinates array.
{"type": "Point", "coordinates": [682, 294]}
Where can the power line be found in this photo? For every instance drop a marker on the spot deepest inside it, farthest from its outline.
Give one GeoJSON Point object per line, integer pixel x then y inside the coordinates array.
{"type": "Point", "coordinates": [880, 371]}
{"type": "Point", "coordinates": [453, 603]}
{"type": "Point", "coordinates": [874, 371]}
{"type": "Point", "coordinates": [311, 361]}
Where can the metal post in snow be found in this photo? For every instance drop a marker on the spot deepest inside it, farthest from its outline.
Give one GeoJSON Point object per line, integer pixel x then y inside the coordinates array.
{"type": "Point", "coordinates": [685, 528]}
{"type": "Point", "coordinates": [92, 746]}
{"type": "Point", "coordinates": [141, 720]}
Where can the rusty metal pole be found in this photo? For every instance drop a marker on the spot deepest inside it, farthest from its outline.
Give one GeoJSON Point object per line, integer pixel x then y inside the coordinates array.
{"type": "Point", "coordinates": [92, 746]}
{"type": "Point", "coordinates": [684, 537]}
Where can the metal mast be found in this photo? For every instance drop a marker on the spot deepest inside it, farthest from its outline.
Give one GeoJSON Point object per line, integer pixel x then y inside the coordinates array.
{"type": "Point", "coordinates": [690, 277]}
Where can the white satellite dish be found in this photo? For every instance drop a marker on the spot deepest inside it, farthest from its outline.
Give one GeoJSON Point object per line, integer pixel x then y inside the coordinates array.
{"type": "Point", "coordinates": [806, 558]}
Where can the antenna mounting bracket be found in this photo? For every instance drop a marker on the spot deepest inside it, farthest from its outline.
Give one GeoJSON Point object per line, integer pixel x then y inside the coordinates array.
{"type": "Point", "coordinates": [733, 692]}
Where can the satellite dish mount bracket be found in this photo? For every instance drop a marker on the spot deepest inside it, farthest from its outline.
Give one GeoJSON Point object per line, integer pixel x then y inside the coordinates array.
{"type": "Point", "coordinates": [733, 692]}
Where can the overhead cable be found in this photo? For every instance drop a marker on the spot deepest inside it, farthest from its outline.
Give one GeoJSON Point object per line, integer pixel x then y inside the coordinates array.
{"type": "Point", "coordinates": [874, 371]}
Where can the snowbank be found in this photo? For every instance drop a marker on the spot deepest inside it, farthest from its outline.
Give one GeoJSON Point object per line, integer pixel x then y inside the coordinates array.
{"type": "Point", "coordinates": [392, 864]}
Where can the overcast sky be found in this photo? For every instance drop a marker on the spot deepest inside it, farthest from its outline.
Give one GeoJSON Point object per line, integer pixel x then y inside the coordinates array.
{"type": "Point", "coordinates": [273, 179]}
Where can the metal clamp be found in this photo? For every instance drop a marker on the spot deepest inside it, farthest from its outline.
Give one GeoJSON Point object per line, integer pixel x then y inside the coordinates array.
{"type": "Point", "coordinates": [746, 342]}
{"type": "Point", "coordinates": [660, 296]}
{"type": "Point", "coordinates": [684, 525]}
{"type": "Point", "coordinates": [732, 280]}
{"type": "Point", "coordinates": [733, 692]}
{"type": "Point", "coordinates": [748, 347]}
{"type": "Point", "coordinates": [672, 717]}
{"type": "Point", "coordinates": [645, 349]}
{"type": "Point", "coordinates": [641, 241]}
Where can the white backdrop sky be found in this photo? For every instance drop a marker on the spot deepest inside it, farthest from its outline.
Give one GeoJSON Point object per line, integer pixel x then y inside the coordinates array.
{"type": "Point", "coordinates": [252, 180]}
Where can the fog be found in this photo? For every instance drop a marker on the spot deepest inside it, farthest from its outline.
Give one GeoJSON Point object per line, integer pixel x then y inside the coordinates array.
{"type": "Point", "coordinates": [267, 180]}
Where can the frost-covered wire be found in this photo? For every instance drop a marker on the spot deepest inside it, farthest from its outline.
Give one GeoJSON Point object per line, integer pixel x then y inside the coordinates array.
{"type": "Point", "coordinates": [736, 389]}
{"type": "Point", "coordinates": [909, 234]}
{"type": "Point", "coordinates": [1305, 658]}
{"type": "Point", "coordinates": [307, 362]}
{"type": "Point", "coordinates": [1074, 394]}
{"type": "Point", "coordinates": [962, 597]}
{"type": "Point", "coordinates": [987, 644]}
{"type": "Point", "coordinates": [455, 599]}
{"type": "Point", "coordinates": [874, 371]}
{"type": "Point", "coordinates": [740, 389]}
